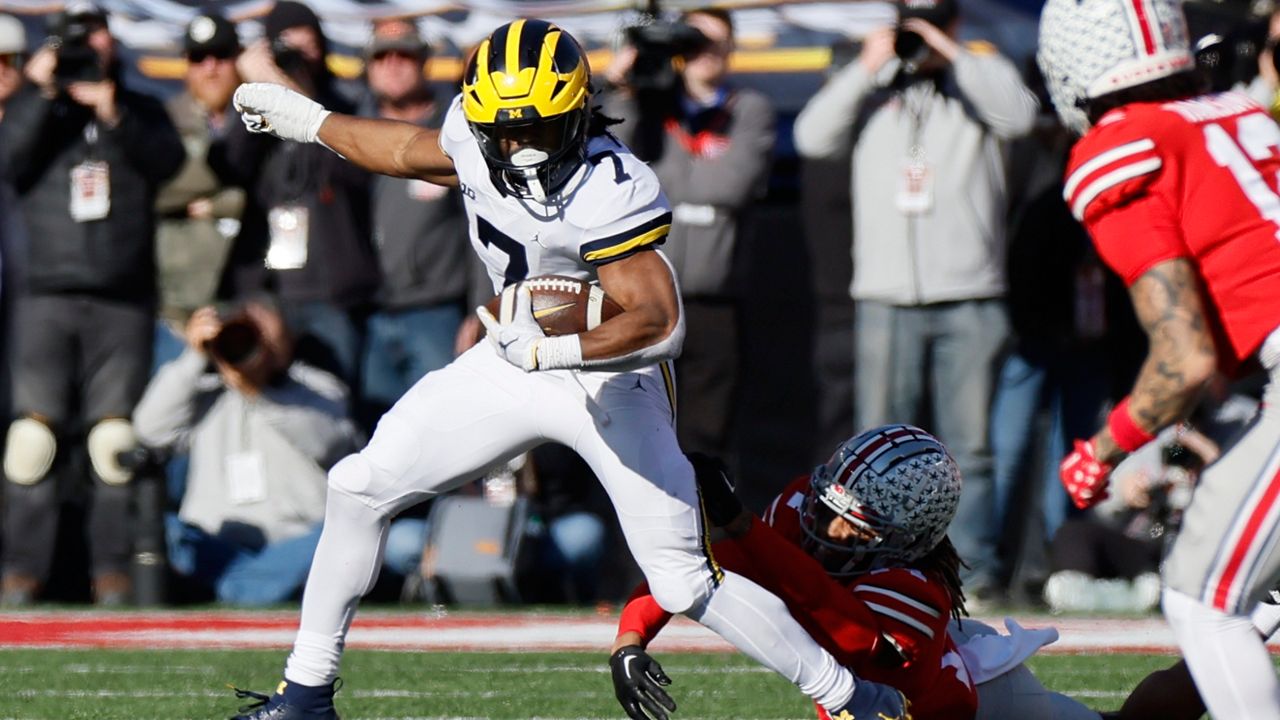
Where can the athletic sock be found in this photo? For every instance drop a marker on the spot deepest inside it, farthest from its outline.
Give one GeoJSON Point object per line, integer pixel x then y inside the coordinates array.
{"type": "Point", "coordinates": [345, 567]}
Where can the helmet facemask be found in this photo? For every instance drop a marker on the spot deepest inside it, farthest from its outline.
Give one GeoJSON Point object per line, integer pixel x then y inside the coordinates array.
{"type": "Point", "coordinates": [831, 507]}
{"type": "Point", "coordinates": [536, 158]}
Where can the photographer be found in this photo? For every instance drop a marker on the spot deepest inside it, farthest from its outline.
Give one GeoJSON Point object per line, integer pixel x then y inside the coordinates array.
{"type": "Point", "coordinates": [710, 144]}
{"type": "Point", "coordinates": [1108, 558]}
{"type": "Point", "coordinates": [85, 155]}
{"type": "Point", "coordinates": [926, 120]}
{"type": "Point", "coordinates": [262, 429]}
{"type": "Point", "coordinates": [305, 234]}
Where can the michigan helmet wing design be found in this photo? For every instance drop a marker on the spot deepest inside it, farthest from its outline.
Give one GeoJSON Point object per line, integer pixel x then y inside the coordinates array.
{"type": "Point", "coordinates": [525, 95]}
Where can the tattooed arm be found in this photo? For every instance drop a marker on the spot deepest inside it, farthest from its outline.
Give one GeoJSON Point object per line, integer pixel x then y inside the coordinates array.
{"type": "Point", "coordinates": [1180, 356]}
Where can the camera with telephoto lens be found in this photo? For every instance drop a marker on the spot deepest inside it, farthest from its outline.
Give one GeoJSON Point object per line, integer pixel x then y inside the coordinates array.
{"type": "Point", "coordinates": [289, 59]}
{"type": "Point", "coordinates": [909, 47]}
{"type": "Point", "coordinates": [237, 342]}
{"type": "Point", "coordinates": [1171, 492]}
{"type": "Point", "coordinates": [77, 60]}
{"type": "Point", "coordinates": [657, 43]}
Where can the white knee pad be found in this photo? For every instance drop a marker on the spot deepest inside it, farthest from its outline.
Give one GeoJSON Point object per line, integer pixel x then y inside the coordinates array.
{"type": "Point", "coordinates": [106, 441]}
{"type": "Point", "coordinates": [679, 592]}
{"type": "Point", "coordinates": [352, 475]}
{"type": "Point", "coordinates": [29, 451]}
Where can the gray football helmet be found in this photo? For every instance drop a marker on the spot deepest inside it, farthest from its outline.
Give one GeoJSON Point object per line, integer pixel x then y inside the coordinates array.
{"type": "Point", "coordinates": [896, 484]}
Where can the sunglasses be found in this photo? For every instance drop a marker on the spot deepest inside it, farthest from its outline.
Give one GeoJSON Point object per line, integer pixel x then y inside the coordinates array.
{"type": "Point", "coordinates": [404, 54]}
{"type": "Point", "coordinates": [13, 60]}
{"type": "Point", "coordinates": [198, 56]}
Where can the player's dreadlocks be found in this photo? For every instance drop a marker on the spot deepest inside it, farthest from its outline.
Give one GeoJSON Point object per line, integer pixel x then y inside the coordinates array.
{"type": "Point", "coordinates": [600, 123]}
{"type": "Point", "coordinates": [945, 562]}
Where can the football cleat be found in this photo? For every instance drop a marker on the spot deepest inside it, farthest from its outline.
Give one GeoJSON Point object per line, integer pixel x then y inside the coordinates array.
{"type": "Point", "coordinates": [874, 701]}
{"type": "Point", "coordinates": [289, 702]}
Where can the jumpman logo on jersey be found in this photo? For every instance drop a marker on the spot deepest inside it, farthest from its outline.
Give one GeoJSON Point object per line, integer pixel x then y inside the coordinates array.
{"type": "Point", "coordinates": [638, 386]}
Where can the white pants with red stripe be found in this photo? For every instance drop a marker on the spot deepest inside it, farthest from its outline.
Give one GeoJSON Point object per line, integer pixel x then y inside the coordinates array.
{"type": "Point", "coordinates": [1226, 554]}
{"type": "Point", "coordinates": [1223, 563]}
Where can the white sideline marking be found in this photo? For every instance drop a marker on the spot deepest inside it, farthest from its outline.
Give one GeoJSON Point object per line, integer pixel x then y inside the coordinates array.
{"type": "Point", "coordinates": [482, 670]}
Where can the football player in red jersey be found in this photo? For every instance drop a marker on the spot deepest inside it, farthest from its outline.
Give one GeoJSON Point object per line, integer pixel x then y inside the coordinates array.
{"type": "Point", "coordinates": [858, 551]}
{"type": "Point", "coordinates": [1178, 190]}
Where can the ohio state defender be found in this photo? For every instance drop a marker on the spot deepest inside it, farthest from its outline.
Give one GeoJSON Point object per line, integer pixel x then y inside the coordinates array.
{"type": "Point", "coordinates": [1178, 190]}
{"type": "Point", "coordinates": [858, 552]}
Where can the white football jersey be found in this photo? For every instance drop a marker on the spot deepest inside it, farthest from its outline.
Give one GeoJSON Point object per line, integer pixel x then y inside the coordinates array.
{"type": "Point", "coordinates": [611, 208]}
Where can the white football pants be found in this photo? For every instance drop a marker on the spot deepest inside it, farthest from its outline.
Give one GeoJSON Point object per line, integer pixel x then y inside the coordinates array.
{"type": "Point", "coordinates": [480, 411]}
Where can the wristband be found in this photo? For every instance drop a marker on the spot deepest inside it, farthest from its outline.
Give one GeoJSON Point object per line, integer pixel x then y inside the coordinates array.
{"type": "Point", "coordinates": [1128, 436]}
{"type": "Point", "coordinates": [562, 352]}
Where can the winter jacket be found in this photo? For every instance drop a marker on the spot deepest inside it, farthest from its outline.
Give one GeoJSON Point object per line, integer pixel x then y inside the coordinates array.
{"type": "Point", "coordinates": [712, 163]}
{"type": "Point", "coordinates": [955, 125]}
{"type": "Point", "coordinates": [45, 138]}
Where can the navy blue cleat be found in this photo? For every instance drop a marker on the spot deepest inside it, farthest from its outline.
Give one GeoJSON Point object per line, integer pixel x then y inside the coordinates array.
{"type": "Point", "coordinates": [874, 701]}
{"type": "Point", "coordinates": [290, 702]}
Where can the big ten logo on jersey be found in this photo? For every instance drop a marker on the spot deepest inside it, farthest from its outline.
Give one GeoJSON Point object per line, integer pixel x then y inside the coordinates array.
{"type": "Point", "coordinates": [1244, 140]}
{"type": "Point", "coordinates": [467, 190]}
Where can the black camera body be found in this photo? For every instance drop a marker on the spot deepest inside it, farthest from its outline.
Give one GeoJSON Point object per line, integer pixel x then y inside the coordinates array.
{"type": "Point", "coordinates": [237, 342]}
{"type": "Point", "coordinates": [910, 48]}
{"type": "Point", "coordinates": [657, 43]}
{"type": "Point", "coordinates": [77, 60]}
{"type": "Point", "coordinates": [290, 61]}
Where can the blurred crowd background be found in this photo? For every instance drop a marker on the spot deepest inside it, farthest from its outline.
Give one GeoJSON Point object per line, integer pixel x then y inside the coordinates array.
{"type": "Point", "coordinates": [868, 228]}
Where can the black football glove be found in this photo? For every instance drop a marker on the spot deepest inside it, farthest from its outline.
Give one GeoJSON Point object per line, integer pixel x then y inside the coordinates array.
{"type": "Point", "coordinates": [716, 488]}
{"type": "Point", "coordinates": [637, 682]}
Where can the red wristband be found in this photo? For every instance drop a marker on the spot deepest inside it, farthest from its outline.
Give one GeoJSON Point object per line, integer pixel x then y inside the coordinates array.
{"type": "Point", "coordinates": [1128, 436]}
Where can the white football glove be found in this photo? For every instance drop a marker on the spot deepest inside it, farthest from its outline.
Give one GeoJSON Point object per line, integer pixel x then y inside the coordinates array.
{"type": "Point", "coordinates": [517, 341]}
{"type": "Point", "coordinates": [523, 343]}
{"type": "Point", "coordinates": [279, 111]}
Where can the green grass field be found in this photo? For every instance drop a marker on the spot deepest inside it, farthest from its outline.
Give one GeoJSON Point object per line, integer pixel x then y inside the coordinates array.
{"type": "Point", "coordinates": [180, 684]}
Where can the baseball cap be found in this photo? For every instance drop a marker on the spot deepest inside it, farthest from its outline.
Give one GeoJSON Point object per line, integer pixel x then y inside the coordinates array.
{"type": "Point", "coordinates": [287, 14]}
{"type": "Point", "coordinates": [13, 37]}
{"type": "Point", "coordinates": [936, 12]}
{"type": "Point", "coordinates": [81, 10]}
{"type": "Point", "coordinates": [397, 34]}
{"type": "Point", "coordinates": [211, 34]}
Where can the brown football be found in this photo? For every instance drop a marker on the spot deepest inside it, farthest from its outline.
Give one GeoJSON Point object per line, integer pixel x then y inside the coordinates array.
{"type": "Point", "coordinates": [562, 305]}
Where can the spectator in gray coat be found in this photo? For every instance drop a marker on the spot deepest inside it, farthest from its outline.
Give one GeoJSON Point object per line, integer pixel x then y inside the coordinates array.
{"type": "Point", "coordinates": [711, 145]}
{"type": "Point", "coordinates": [926, 119]}
{"type": "Point", "coordinates": [262, 430]}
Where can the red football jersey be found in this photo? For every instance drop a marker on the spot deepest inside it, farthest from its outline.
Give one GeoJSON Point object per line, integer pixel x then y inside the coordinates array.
{"type": "Point", "coordinates": [912, 611]}
{"type": "Point", "coordinates": [901, 607]}
{"type": "Point", "coordinates": [1194, 179]}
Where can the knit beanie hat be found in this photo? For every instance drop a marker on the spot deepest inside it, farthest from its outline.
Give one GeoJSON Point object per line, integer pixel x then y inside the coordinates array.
{"type": "Point", "coordinates": [287, 14]}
